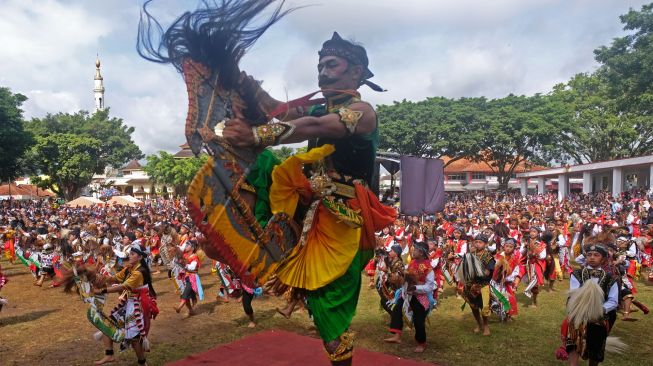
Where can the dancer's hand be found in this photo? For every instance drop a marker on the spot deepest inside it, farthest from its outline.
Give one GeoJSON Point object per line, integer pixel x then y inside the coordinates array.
{"type": "Point", "coordinates": [237, 131]}
{"type": "Point", "coordinates": [411, 288]}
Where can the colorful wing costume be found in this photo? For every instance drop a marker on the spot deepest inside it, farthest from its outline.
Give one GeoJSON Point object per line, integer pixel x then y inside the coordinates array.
{"type": "Point", "coordinates": [81, 277]}
{"type": "Point", "coordinates": [205, 46]}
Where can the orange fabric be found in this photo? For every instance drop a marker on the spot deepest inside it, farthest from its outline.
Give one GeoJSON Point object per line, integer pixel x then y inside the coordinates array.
{"type": "Point", "coordinates": [376, 216]}
{"type": "Point", "coordinates": [10, 250]}
{"type": "Point", "coordinates": [289, 184]}
{"type": "Point", "coordinates": [330, 247]}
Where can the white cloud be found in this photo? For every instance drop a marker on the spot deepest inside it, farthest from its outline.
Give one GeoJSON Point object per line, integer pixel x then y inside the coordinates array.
{"type": "Point", "coordinates": [41, 102]}
{"type": "Point", "coordinates": [417, 48]}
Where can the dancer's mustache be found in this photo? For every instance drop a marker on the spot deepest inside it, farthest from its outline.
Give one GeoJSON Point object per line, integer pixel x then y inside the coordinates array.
{"type": "Point", "coordinates": [326, 81]}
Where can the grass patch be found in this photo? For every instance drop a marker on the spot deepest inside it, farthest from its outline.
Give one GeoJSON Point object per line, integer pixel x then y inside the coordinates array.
{"type": "Point", "coordinates": [44, 326]}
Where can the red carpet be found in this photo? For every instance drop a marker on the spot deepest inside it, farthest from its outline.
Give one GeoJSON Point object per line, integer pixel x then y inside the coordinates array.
{"type": "Point", "coordinates": [279, 348]}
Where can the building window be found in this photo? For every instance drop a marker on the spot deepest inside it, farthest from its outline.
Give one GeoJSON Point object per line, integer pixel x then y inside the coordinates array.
{"type": "Point", "coordinates": [513, 176]}
{"type": "Point", "coordinates": [478, 176]}
{"type": "Point", "coordinates": [456, 177]}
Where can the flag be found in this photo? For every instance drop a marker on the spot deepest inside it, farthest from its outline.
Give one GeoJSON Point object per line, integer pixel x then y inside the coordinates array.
{"type": "Point", "coordinates": [502, 299]}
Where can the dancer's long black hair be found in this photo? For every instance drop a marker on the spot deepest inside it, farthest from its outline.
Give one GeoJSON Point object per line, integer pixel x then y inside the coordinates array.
{"type": "Point", "coordinates": [147, 276]}
{"type": "Point", "coordinates": [217, 35]}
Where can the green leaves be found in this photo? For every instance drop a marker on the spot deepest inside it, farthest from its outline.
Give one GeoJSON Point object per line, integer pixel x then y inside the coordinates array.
{"type": "Point", "coordinates": [14, 140]}
{"type": "Point", "coordinates": [164, 168]}
{"type": "Point", "coordinates": [283, 152]}
{"type": "Point", "coordinates": [594, 117]}
{"type": "Point", "coordinates": [71, 148]}
{"type": "Point", "coordinates": [117, 147]}
{"type": "Point", "coordinates": [69, 160]}
{"type": "Point", "coordinates": [434, 127]}
{"type": "Point", "coordinates": [501, 132]}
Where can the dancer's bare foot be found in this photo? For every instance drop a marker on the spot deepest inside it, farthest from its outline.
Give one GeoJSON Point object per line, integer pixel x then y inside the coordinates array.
{"type": "Point", "coordinates": [396, 338]}
{"type": "Point", "coordinates": [251, 325]}
{"type": "Point", "coordinates": [284, 312]}
{"type": "Point", "coordinates": [419, 348]}
{"type": "Point", "coordinates": [105, 359]}
{"type": "Point", "coordinates": [627, 317]}
{"type": "Point", "coordinates": [177, 309]}
{"type": "Point", "coordinates": [486, 331]}
{"type": "Point", "coordinates": [532, 306]}
{"type": "Point", "coordinates": [477, 330]}
{"type": "Point", "coordinates": [221, 298]}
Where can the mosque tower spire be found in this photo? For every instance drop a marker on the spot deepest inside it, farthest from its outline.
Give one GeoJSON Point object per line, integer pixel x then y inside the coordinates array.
{"type": "Point", "coordinates": [98, 89]}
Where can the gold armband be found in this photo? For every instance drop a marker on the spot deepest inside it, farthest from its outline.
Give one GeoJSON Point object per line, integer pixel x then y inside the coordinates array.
{"type": "Point", "coordinates": [272, 133]}
{"type": "Point", "coordinates": [350, 118]}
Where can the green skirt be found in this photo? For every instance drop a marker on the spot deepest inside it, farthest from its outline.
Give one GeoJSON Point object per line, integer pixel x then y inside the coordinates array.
{"type": "Point", "coordinates": [334, 305]}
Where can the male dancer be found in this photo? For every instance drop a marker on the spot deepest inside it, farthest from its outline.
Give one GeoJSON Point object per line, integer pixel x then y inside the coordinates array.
{"type": "Point", "coordinates": [339, 214]}
{"type": "Point", "coordinates": [588, 341]}
{"type": "Point", "coordinates": [350, 126]}
{"type": "Point", "coordinates": [476, 269]}
{"type": "Point", "coordinates": [416, 297]}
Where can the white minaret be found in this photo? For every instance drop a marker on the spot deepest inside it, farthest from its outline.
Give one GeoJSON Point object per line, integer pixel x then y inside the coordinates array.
{"type": "Point", "coordinates": [98, 90]}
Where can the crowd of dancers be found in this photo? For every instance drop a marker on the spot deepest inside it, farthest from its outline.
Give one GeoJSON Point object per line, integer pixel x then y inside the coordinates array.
{"type": "Point", "coordinates": [119, 248]}
{"type": "Point", "coordinates": [483, 246]}
{"type": "Point", "coordinates": [486, 245]}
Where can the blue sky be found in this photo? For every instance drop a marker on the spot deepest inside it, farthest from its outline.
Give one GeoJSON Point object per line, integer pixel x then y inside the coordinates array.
{"type": "Point", "coordinates": [417, 49]}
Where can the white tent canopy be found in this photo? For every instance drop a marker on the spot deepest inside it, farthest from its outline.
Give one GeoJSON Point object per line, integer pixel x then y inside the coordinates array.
{"type": "Point", "coordinates": [84, 202]}
{"type": "Point", "coordinates": [124, 200]}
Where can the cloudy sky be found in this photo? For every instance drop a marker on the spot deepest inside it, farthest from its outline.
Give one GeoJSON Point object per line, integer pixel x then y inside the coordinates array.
{"type": "Point", "coordinates": [417, 49]}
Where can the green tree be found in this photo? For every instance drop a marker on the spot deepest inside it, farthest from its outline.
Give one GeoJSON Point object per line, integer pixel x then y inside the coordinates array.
{"type": "Point", "coordinates": [597, 130]}
{"type": "Point", "coordinates": [283, 152]}
{"type": "Point", "coordinates": [117, 146]}
{"type": "Point", "coordinates": [69, 161]}
{"type": "Point", "coordinates": [14, 140]}
{"type": "Point", "coordinates": [627, 64]}
{"type": "Point", "coordinates": [434, 127]}
{"type": "Point", "coordinates": [627, 71]}
{"type": "Point", "coordinates": [519, 129]}
{"type": "Point", "coordinates": [107, 142]}
{"type": "Point", "coordinates": [165, 169]}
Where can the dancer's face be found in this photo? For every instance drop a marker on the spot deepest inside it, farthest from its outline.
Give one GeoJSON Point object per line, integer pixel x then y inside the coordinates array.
{"type": "Point", "coordinates": [594, 259]}
{"type": "Point", "coordinates": [134, 257]}
{"type": "Point", "coordinates": [480, 245]}
{"type": "Point", "coordinates": [336, 73]}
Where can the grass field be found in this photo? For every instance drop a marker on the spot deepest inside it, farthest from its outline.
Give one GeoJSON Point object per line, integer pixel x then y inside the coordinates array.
{"type": "Point", "coordinates": [43, 326]}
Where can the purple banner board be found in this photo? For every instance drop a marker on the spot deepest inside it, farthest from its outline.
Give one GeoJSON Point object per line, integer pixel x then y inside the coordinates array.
{"type": "Point", "coordinates": [422, 186]}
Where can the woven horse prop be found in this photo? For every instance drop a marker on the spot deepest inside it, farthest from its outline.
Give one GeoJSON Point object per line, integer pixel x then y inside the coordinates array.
{"type": "Point", "coordinates": [84, 278]}
{"type": "Point", "coordinates": [205, 46]}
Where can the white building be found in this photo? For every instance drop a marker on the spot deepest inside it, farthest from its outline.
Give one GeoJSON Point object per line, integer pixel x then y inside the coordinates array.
{"type": "Point", "coordinates": [129, 180]}
{"type": "Point", "coordinates": [98, 89]}
{"type": "Point", "coordinates": [614, 176]}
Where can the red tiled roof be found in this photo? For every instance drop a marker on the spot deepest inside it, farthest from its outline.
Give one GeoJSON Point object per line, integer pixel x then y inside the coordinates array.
{"type": "Point", "coordinates": [184, 154]}
{"type": "Point", "coordinates": [466, 165]}
{"type": "Point", "coordinates": [24, 190]}
{"type": "Point", "coordinates": [132, 165]}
